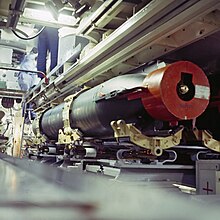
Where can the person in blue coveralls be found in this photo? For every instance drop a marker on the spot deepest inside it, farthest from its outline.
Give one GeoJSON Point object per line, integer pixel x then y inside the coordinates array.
{"type": "Point", "coordinates": [47, 43]}
{"type": "Point", "coordinates": [28, 80]}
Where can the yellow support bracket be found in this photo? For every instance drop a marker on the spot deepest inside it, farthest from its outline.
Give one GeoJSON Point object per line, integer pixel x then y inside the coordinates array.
{"type": "Point", "coordinates": [207, 140]}
{"type": "Point", "coordinates": [155, 144]}
{"type": "Point", "coordinates": [39, 139]}
{"type": "Point", "coordinates": [67, 135]}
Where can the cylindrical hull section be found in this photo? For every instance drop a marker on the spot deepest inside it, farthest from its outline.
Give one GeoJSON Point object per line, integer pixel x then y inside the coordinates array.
{"type": "Point", "coordinates": [51, 121]}
{"type": "Point", "coordinates": [93, 111]}
{"type": "Point", "coordinates": [179, 91]}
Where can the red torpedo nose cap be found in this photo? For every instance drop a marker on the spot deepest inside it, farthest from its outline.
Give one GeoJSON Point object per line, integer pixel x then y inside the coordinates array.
{"type": "Point", "coordinates": [179, 91]}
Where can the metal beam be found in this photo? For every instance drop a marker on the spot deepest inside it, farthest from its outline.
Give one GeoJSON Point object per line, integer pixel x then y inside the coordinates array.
{"type": "Point", "coordinates": [150, 25]}
{"type": "Point", "coordinates": [128, 30]}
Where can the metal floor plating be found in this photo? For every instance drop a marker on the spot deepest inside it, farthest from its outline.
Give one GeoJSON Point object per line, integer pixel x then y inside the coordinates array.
{"type": "Point", "coordinates": [30, 190]}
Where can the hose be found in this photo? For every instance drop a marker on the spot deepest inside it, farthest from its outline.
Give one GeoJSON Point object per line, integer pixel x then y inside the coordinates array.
{"type": "Point", "coordinates": [26, 36]}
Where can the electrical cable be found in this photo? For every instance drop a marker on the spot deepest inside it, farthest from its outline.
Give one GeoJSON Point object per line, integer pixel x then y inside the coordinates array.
{"type": "Point", "coordinates": [26, 38]}
{"type": "Point", "coordinates": [21, 32]}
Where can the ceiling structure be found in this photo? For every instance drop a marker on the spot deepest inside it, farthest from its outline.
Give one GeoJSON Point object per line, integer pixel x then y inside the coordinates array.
{"type": "Point", "coordinates": [127, 35]}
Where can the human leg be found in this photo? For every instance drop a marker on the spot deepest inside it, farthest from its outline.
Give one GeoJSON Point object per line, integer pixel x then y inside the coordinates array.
{"type": "Point", "coordinates": [53, 41]}
{"type": "Point", "coordinates": [42, 52]}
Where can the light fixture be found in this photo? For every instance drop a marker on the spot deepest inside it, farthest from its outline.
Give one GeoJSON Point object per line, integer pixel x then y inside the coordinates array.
{"type": "Point", "coordinates": [54, 6]}
{"type": "Point", "coordinates": [43, 15]}
{"type": "Point", "coordinates": [85, 7]}
{"type": "Point", "coordinates": [79, 8]}
{"type": "Point", "coordinates": [74, 3]}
